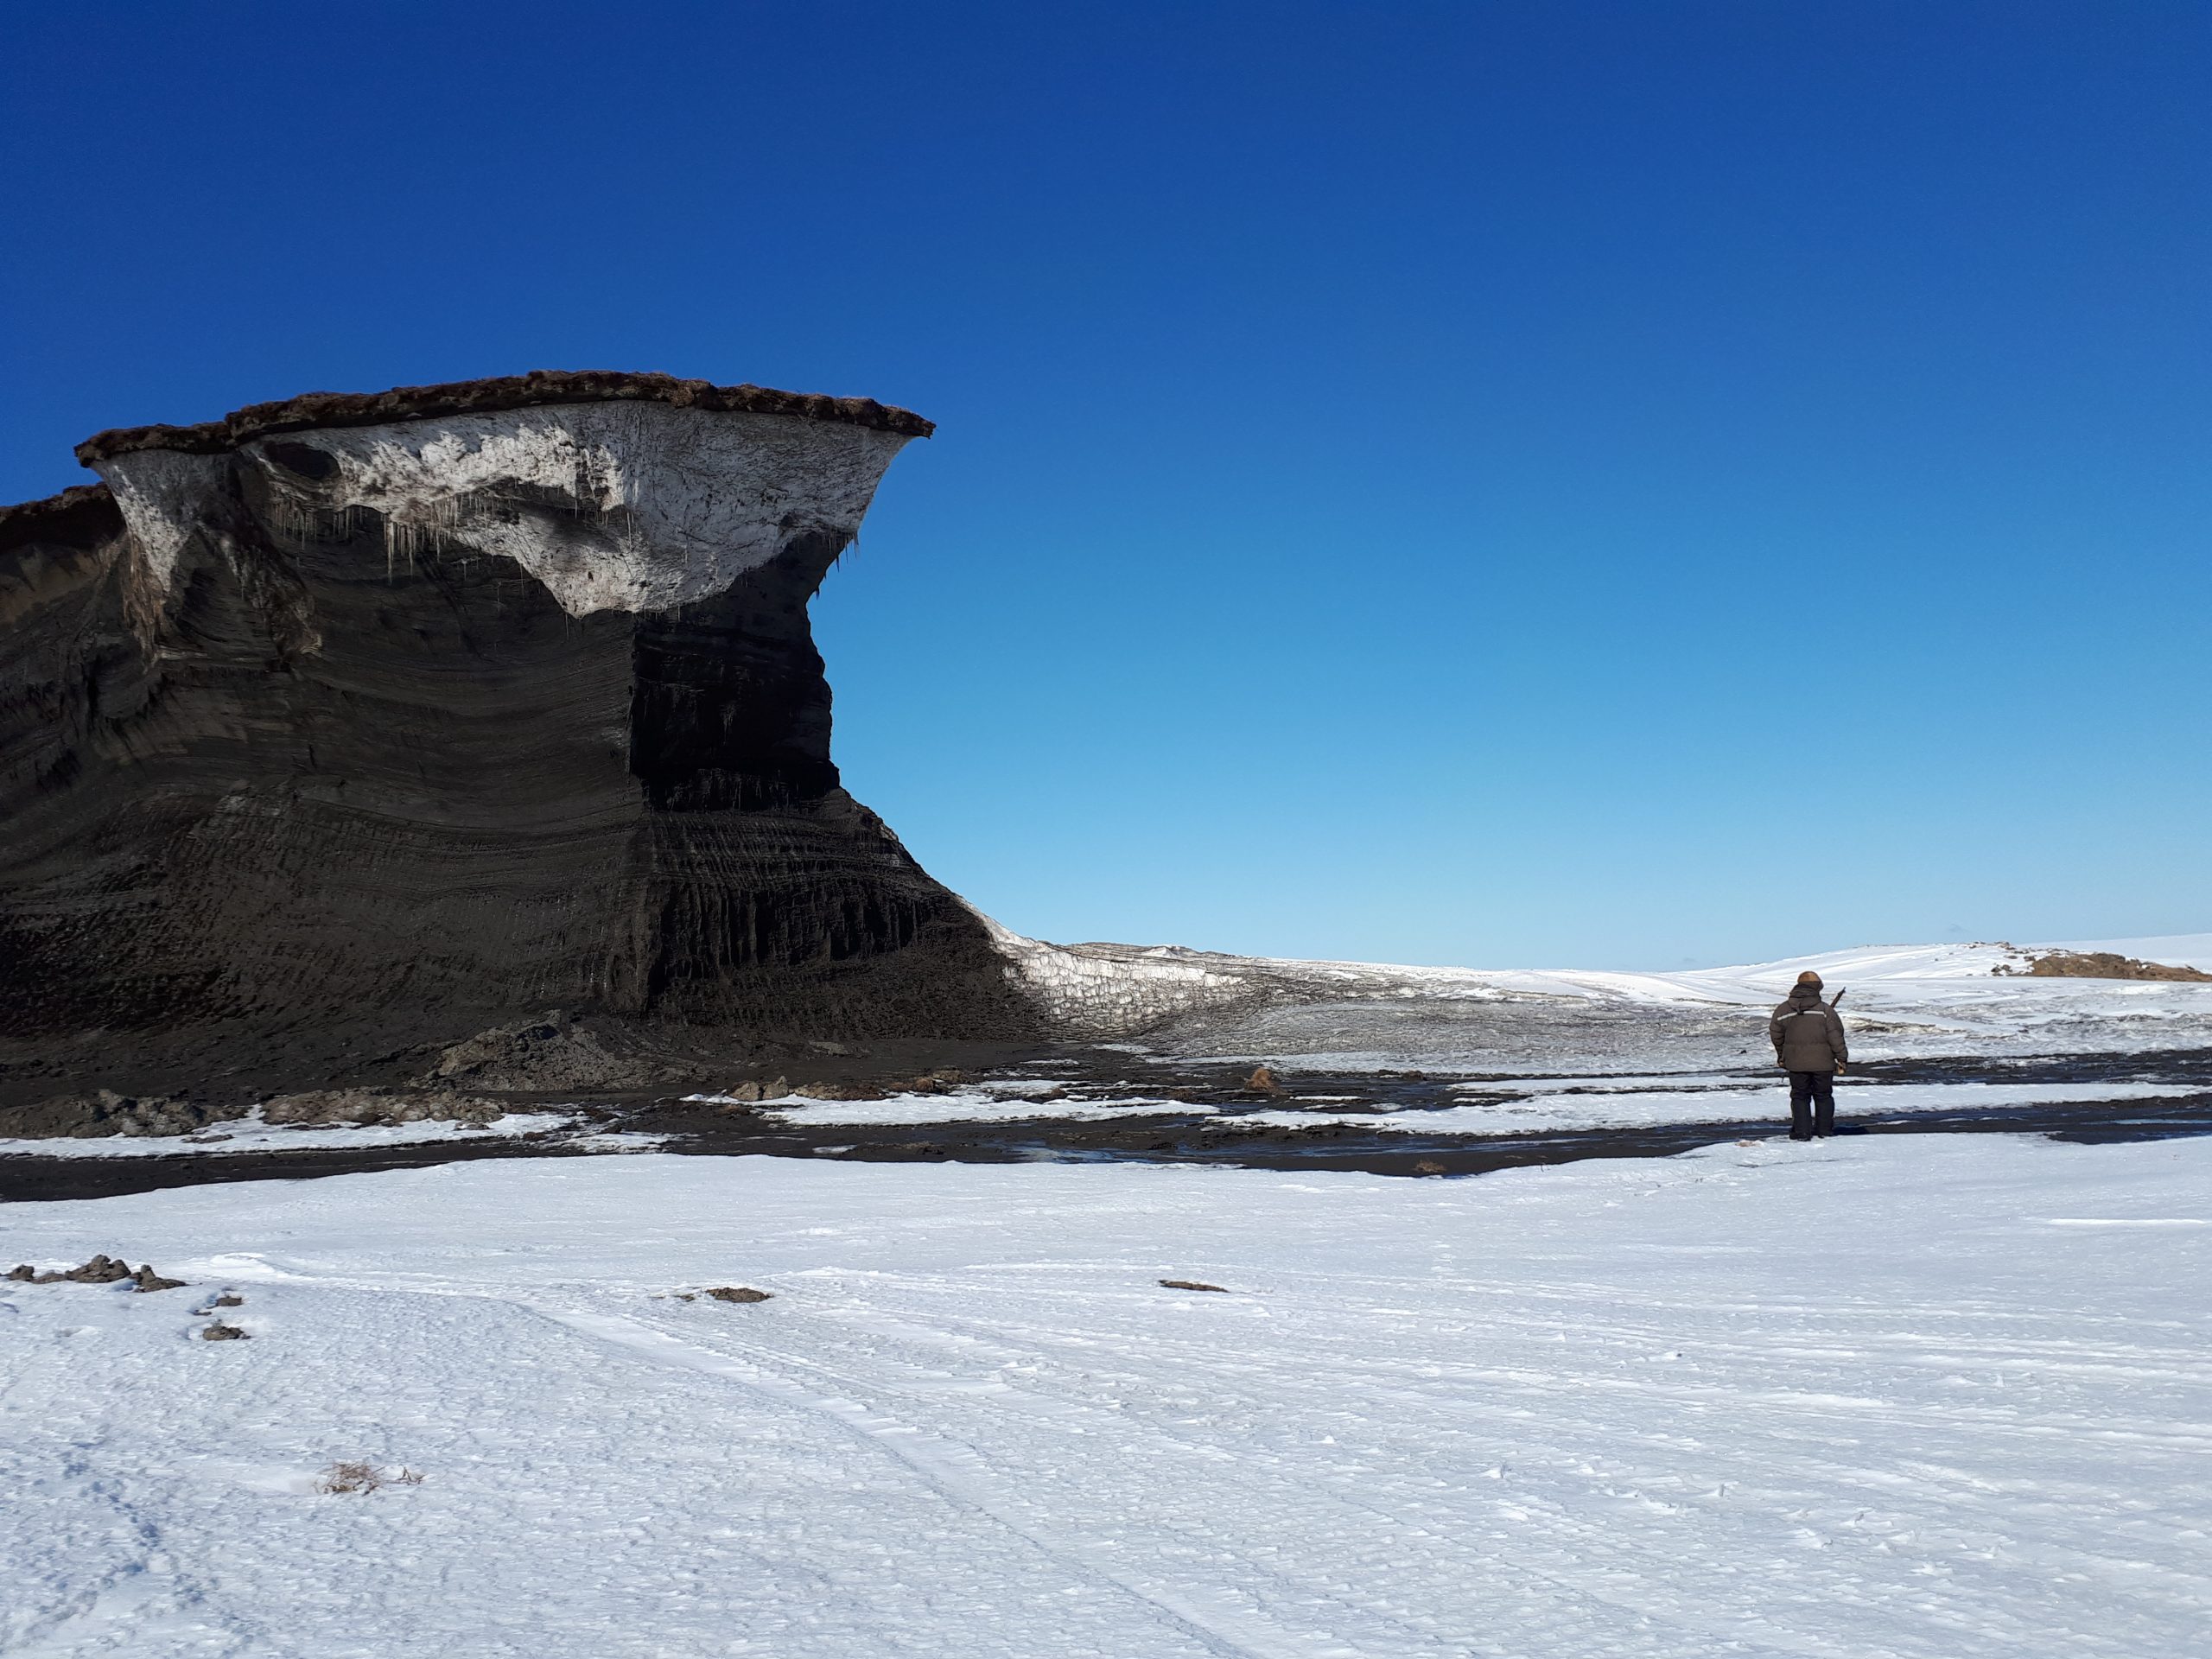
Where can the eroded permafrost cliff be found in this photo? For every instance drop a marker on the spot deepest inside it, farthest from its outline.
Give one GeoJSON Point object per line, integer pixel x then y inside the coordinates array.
{"type": "Point", "coordinates": [355, 721]}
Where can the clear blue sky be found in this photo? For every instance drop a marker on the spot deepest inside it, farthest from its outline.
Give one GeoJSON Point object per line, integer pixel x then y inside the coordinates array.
{"type": "Point", "coordinates": [1551, 483]}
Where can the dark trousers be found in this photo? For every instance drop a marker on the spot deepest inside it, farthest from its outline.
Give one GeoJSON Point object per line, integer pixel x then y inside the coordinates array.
{"type": "Point", "coordinates": [1812, 1105]}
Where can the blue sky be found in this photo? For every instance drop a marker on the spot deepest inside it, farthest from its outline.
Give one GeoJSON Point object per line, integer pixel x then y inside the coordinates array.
{"type": "Point", "coordinates": [1620, 484]}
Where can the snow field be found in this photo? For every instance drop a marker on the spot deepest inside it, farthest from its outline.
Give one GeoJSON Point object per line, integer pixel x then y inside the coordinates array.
{"type": "Point", "coordinates": [1940, 1396]}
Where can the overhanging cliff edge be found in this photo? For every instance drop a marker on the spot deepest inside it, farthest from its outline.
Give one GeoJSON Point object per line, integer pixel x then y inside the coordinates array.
{"type": "Point", "coordinates": [416, 711]}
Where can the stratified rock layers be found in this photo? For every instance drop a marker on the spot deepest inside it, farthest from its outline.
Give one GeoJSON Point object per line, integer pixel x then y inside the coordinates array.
{"type": "Point", "coordinates": [444, 712]}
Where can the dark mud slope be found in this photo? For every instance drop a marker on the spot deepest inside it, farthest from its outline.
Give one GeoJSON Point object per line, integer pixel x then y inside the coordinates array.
{"type": "Point", "coordinates": [356, 722]}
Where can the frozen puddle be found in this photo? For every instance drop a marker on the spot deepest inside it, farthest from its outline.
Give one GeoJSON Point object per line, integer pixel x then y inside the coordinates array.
{"type": "Point", "coordinates": [967, 1108]}
{"type": "Point", "coordinates": [1925, 1397]}
{"type": "Point", "coordinates": [252, 1134]}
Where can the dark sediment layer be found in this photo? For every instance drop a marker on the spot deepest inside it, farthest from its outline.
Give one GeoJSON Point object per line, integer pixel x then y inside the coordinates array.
{"type": "Point", "coordinates": [293, 789]}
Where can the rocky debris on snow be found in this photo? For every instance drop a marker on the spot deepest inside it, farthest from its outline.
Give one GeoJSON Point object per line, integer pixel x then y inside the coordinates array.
{"type": "Point", "coordinates": [219, 1332]}
{"type": "Point", "coordinates": [840, 1090]}
{"type": "Point", "coordinates": [363, 1478]}
{"type": "Point", "coordinates": [1192, 1284]}
{"type": "Point", "coordinates": [377, 1107]}
{"type": "Point", "coordinates": [739, 1293]}
{"type": "Point", "coordinates": [226, 1300]}
{"type": "Point", "coordinates": [2101, 964]}
{"type": "Point", "coordinates": [941, 1081]}
{"type": "Point", "coordinates": [103, 1112]}
{"type": "Point", "coordinates": [748, 1094]}
{"type": "Point", "coordinates": [100, 1270]}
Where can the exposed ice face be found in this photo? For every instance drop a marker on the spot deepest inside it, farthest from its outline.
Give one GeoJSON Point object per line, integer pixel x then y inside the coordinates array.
{"type": "Point", "coordinates": [1109, 996]}
{"type": "Point", "coordinates": [629, 507]}
{"type": "Point", "coordinates": [161, 495]}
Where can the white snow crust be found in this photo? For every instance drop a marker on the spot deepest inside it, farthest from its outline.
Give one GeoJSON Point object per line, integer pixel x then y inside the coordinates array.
{"type": "Point", "coordinates": [690, 498]}
{"type": "Point", "coordinates": [1913, 1397]}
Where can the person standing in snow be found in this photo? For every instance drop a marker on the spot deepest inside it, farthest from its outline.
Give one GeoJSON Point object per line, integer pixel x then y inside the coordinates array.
{"type": "Point", "coordinates": [1808, 1044]}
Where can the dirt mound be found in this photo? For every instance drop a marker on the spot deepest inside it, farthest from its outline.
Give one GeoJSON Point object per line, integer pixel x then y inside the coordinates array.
{"type": "Point", "coordinates": [2103, 964]}
{"type": "Point", "coordinates": [548, 1053]}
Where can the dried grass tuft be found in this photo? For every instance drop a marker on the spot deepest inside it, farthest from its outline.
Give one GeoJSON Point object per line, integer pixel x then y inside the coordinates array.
{"type": "Point", "coordinates": [363, 1478]}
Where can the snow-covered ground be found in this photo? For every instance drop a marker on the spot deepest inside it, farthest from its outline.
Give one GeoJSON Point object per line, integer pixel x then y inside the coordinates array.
{"type": "Point", "coordinates": [1918, 1395]}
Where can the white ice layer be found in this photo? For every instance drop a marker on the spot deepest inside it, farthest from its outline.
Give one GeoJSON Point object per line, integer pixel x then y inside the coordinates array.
{"type": "Point", "coordinates": [681, 501]}
{"type": "Point", "coordinates": [1918, 1397]}
{"type": "Point", "coordinates": [1110, 994]}
{"type": "Point", "coordinates": [251, 1133]}
{"type": "Point", "coordinates": [161, 495]}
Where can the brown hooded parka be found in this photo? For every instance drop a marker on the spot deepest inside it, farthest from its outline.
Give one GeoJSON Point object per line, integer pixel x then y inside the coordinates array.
{"type": "Point", "coordinates": [1808, 1033]}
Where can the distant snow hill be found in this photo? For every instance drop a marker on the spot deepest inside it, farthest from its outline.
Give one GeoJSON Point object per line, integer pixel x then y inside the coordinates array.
{"type": "Point", "coordinates": [1982, 986]}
